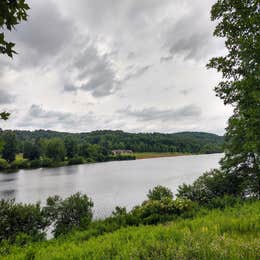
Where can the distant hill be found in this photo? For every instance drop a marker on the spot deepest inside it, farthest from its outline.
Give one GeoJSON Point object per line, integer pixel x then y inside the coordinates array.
{"type": "Point", "coordinates": [191, 142]}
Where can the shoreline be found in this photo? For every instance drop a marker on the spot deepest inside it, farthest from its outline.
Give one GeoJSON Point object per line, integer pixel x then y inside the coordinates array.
{"type": "Point", "coordinates": [138, 156]}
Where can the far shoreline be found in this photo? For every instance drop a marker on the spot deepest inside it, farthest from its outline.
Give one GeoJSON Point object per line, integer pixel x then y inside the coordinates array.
{"type": "Point", "coordinates": [152, 155]}
{"type": "Point", "coordinates": [137, 156]}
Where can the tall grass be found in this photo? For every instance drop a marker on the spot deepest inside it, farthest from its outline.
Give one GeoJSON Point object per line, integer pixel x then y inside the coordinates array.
{"type": "Point", "coordinates": [233, 233]}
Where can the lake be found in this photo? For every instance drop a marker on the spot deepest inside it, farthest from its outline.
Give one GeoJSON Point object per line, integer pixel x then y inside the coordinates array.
{"type": "Point", "coordinates": [109, 184]}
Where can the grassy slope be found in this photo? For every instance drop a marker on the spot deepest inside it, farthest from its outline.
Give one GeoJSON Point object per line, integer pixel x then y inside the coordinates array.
{"type": "Point", "coordinates": [230, 234]}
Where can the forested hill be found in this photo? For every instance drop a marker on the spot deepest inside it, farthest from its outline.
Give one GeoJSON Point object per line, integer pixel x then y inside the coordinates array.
{"type": "Point", "coordinates": [190, 142]}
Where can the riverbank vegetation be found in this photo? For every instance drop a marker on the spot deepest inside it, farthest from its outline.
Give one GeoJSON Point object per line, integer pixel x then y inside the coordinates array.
{"type": "Point", "coordinates": [160, 227]}
{"type": "Point", "coordinates": [25, 149]}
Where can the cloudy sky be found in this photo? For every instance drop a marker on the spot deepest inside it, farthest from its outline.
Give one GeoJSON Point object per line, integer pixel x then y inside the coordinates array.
{"type": "Point", "coordinates": [135, 65]}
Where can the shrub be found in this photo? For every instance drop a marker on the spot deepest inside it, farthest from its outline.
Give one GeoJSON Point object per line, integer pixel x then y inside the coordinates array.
{"type": "Point", "coordinates": [20, 164]}
{"type": "Point", "coordinates": [35, 163]}
{"type": "Point", "coordinates": [158, 211]}
{"type": "Point", "coordinates": [90, 160]}
{"type": "Point", "coordinates": [159, 193]}
{"type": "Point", "coordinates": [210, 185]}
{"type": "Point", "coordinates": [76, 160]}
{"type": "Point", "coordinates": [47, 162]}
{"type": "Point", "coordinates": [17, 218]}
{"type": "Point", "coordinates": [72, 213]}
{"type": "Point", "coordinates": [223, 202]}
{"type": "Point", "coordinates": [3, 164]}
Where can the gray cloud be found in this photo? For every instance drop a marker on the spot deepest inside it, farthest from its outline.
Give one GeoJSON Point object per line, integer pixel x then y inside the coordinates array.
{"type": "Point", "coordinates": [137, 72]}
{"type": "Point", "coordinates": [156, 114]}
{"type": "Point", "coordinates": [70, 88]}
{"type": "Point", "coordinates": [40, 117]}
{"type": "Point", "coordinates": [5, 97]}
{"type": "Point", "coordinates": [166, 58]}
{"type": "Point", "coordinates": [191, 36]}
{"type": "Point", "coordinates": [94, 72]}
{"type": "Point", "coordinates": [47, 30]}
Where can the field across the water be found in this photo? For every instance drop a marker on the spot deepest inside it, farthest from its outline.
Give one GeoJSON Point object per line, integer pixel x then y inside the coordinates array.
{"type": "Point", "coordinates": [157, 155]}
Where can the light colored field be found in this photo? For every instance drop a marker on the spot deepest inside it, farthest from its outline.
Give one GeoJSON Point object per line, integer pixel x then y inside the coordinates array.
{"type": "Point", "coordinates": [157, 155]}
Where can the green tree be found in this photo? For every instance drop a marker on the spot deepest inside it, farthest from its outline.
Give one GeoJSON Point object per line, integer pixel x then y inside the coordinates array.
{"type": "Point", "coordinates": [31, 151]}
{"type": "Point", "coordinates": [71, 147]}
{"type": "Point", "coordinates": [73, 212]}
{"type": "Point", "coordinates": [159, 192]}
{"type": "Point", "coordinates": [17, 218]}
{"type": "Point", "coordinates": [84, 150]}
{"type": "Point", "coordinates": [9, 147]}
{"type": "Point", "coordinates": [239, 23]}
{"type": "Point", "coordinates": [56, 149]}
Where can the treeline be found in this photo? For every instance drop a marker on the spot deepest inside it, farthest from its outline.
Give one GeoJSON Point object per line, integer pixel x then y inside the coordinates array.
{"type": "Point", "coordinates": [185, 142]}
{"type": "Point", "coordinates": [49, 148]}
{"type": "Point", "coordinates": [51, 152]}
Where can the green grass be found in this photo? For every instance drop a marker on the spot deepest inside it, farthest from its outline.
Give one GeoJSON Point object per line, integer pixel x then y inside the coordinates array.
{"type": "Point", "coordinates": [157, 155]}
{"type": "Point", "coordinates": [233, 233]}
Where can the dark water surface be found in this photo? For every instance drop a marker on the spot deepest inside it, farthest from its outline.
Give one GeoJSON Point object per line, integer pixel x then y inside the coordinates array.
{"type": "Point", "coordinates": [110, 184]}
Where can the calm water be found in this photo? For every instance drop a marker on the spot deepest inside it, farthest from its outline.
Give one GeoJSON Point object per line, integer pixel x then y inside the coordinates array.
{"type": "Point", "coordinates": [109, 184]}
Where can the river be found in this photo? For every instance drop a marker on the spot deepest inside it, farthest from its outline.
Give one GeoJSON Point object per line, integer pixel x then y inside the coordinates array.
{"type": "Point", "coordinates": [109, 184]}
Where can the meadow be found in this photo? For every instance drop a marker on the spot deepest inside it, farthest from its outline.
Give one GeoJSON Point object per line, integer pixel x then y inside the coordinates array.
{"type": "Point", "coordinates": [230, 233]}
{"type": "Point", "coordinates": [148, 155]}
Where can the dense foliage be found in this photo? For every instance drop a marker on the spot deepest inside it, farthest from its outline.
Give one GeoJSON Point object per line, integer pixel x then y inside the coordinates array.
{"type": "Point", "coordinates": [9, 146]}
{"type": "Point", "coordinates": [18, 220]}
{"type": "Point", "coordinates": [49, 149]}
{"type": "Point", "coordinates": [238, 21]}
{"type": "Point", "coordinates": [29, 222]}
{"type": "Point", "coordinates": [73, 212]}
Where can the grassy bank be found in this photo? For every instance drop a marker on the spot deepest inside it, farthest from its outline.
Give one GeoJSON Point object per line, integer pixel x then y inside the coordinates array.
{"type": "Point", "coordinates": [157, 155]}
{"type": "Point", "coordinates": [233, 233]}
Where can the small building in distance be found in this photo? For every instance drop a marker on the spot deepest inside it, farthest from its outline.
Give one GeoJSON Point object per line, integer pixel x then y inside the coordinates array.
{"type": "Point", "coordinates": [118, 152]}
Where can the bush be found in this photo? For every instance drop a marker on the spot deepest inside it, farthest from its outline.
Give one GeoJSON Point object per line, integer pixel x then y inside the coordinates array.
{"type": "Point", "coordinates": [159, 193]}
{"type": "Point", "coordinates": [158, 211]}
{"type": "Point", "coordinates": [20, 164]}
{"type": "Point", "coordinates": [90, 160]}
{"type": "Point", "coordinates": [223, 202]}
{"type": "Point", "coordinates": [210, 185]}
{"type": "Point", "coordinates": [35, 163]}
{"type": "Point", "coordinates": [3, 164]}
{"type": "Point", "coordinates": [17, 218]}
{"type": "Point", "coordinates": [72, 213]}
{"type": "Point", "coordinates": [76, 160]}
{"type": "Point", "coordinates": [47, 162]}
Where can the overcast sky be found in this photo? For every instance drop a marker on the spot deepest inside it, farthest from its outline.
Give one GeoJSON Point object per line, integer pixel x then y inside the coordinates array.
{"type": "Point", "coordinates": [134, 65]}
